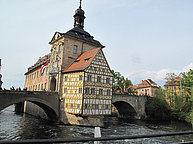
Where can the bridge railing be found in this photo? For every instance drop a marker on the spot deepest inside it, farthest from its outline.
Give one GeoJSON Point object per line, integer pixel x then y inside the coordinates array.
{"type": "Point", "coordinates": [37, 141]}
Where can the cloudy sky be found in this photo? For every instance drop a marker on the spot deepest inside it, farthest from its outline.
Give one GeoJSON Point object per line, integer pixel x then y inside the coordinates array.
{"type": "Point", "coordinates": [143, 38]}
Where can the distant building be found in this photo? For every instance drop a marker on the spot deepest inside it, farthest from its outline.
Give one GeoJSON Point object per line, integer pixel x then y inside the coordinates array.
{"type": "Point", "coordinates": [146, 87]}
{"type": "Point", "coordinates": [77, 69]}
{"type": "Point", "coordinates": [174, 88]}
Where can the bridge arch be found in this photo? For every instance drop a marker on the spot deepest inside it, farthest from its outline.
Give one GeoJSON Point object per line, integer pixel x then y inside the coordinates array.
{"type": "Point", "coordinates": [8, 99]}
{"type": "Point", "coordinates": [130, 106]}
{"type": "Point", "coordinates": [125, 109]}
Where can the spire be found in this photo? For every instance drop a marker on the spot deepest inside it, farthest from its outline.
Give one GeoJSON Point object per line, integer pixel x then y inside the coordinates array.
{"type": "Point", "coordinates": [79, 17]}
{"type": "Point", "coordinates": [80, 4]}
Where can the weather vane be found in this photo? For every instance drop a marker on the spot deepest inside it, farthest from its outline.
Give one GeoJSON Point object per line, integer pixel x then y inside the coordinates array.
{"type": "Point", "coordinates": [80, 3]}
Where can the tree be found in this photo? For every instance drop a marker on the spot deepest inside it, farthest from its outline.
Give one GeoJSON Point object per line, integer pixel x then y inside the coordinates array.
{"type": "Point", "coordinates": [157, 108]}
{"type": "Point", "coordinates": [119, 82]}
{"type": "Point", "coordinates": [160, 93]}
{"type": "Point", "coordinates": [187, 83]}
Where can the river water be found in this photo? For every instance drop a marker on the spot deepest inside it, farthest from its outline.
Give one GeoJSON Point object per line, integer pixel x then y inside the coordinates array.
{"type": "Point", "coordinates": [20, 126]}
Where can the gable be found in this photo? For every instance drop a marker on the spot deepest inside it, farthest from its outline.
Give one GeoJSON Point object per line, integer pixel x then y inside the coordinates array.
{"type": "Point", "coordinates": [100, 64]}
{"type": "Point", "coordinates": [55, 37]}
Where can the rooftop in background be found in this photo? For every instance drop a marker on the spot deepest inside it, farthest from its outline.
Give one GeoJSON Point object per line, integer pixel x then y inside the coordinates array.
{"type": "Point", "coordinates": [147, 83]}
{"type": "Point", "coordinates": [175, 81]}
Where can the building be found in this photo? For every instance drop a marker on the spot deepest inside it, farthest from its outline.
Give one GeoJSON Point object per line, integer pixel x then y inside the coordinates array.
{"type": "Point", "coordinates": [37, 75]}
{"type": "Point", "coordinates": [174, 88]}
{"type": "Point", "coordinates": [146, 87]}
{"type": "Point", "coordinates": [87, 85]}
{"type": "Point", "coordinates": [77, 69]}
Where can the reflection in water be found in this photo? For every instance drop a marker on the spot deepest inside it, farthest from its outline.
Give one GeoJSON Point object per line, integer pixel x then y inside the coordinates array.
{"type": "Point", "coordinates": [18, 126]}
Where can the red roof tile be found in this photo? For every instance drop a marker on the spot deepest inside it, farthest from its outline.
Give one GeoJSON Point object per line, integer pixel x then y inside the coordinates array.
{"type": "Point", "coordinates": [83, 61]}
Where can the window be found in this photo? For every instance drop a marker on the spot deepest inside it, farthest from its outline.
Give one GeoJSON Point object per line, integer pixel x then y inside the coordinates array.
{"type": "Point", "coordinates": [78, 106]}
{"type": "Point", "coordinates": [106, 106]}
{"type": "Point", "coordinates": [95, 68]}
{"type": "Point", "coordinates": [66, 78]}
{"type": "Point", "coordinates": [71, 105]}
{"type": "Point", "coordinates": [108, 80]}
{"type": "Point", "coordinates": [97, 106]}
{"type": "Point", "coordinates": [59, 48]}
{"type": "Point", "coordinates": [98, 79]}
{"type": "Point", "coordinates": [80, 77]}
{"type": "Point", "coordinates": [77, 61]}
{"type": "Point", "coordinates": [87, 91]}
{"type": "Point", "coordinates": [58, 63]}
{"type": "Point", "coordinates": [75, 49]}
{"type": "Point", "coordinates": [66, 105]}
{"type": "Point", "coordinates": [89, 77]}
{"type": "Point", "coordinates": [93, 106]}
{"type": "Point", "coordinates": [100, 91]}
{"type": "Point", "coordinates": [80, 90]}
{"type": "Point", "coordinates": [92, 90]}
{"type": "Point", "coordinates": [64, 90]}
{"type": "Point", "coordinates": [39, 87]}
{"type": "Point", "coordinates": [36, 87]}
{"type": "Point", "coordinates": [86, 59]}
{"type": "Point", "coordinates": [37, 73]}
{"type": "Point", "coordinates": [45, 86]}
{"type": "Point", "coordinates": [86, 106]}
{"type": "Point", "coordinates": [108, 92]}
{"type": "Point", "coordinates": [42, 87]}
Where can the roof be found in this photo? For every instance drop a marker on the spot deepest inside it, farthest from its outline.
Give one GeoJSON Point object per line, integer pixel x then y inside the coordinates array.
{"type": "Point", "coordinates": [145, 84]}
{"type": "Point", "coordinates": [83, 61]}
{"type": "Point", "coordinates": [79, 33]}
{"type": "Point", "coordinates": [175, 81]}
{"type": "Point", "coordinates": [40, 62]}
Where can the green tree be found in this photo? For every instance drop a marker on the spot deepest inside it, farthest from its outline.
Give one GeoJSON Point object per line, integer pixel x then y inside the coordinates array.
{"type": "Point", "coordinates": [160, 93]}
{"type": "Point", "coordinates": [157, 108]}
{"type": "Point", "coordinates": [187, 83]}
{"type": "Point", "coordinates": [120, 83]}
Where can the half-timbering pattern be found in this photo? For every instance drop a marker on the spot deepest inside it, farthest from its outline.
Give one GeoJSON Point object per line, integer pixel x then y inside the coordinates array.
{"type": "Point", "coordinates": [88, 92]}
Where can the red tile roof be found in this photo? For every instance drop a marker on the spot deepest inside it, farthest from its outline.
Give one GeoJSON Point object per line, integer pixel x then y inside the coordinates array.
{"type": "Point", "coordinates": [83, 61]}
{"type": "Point", "coordinates": [146, 83]}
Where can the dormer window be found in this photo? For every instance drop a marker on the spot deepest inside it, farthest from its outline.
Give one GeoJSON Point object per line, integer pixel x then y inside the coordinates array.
{"type": "Point", "coordinates": [76, 61]}
{"type": "Point", "coordinates": [75, 49]}
{"type": "Point", "coordinates": [86, 59]}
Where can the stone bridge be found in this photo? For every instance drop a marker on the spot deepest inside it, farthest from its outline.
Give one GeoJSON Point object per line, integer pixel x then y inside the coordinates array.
{"type": "Point", "coordinates": [48, 101]}
{"type": "Point", "coordinates": [130, 105]}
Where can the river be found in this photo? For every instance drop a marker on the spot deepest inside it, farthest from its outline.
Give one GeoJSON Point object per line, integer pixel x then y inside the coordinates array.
{"type": "Point", "coordinates": [20, 126]}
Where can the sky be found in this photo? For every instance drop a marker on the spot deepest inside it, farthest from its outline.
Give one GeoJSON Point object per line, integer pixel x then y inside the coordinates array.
{"type": "Point", "coordinates": [142, 38]}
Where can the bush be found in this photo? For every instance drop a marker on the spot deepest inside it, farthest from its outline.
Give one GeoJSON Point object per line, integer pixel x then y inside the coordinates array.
{"type": "Point", "coordinates": [157, 109]}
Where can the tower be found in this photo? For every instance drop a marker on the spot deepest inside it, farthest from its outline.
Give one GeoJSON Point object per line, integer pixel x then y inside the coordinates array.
{"type": "Point", "coordinates": [79, 18]}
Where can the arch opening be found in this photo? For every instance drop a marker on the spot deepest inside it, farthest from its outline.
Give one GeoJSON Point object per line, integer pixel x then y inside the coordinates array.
{"type": "Point", "coordinates": [19, 107]}
{"type": "Point", "coordinates": [125, 110]}
{"type": "Point", "coordinates": [53, 84]}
